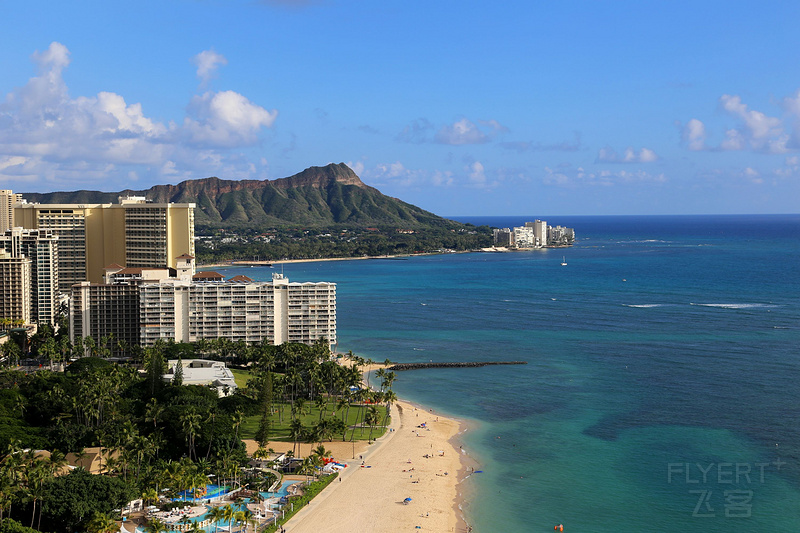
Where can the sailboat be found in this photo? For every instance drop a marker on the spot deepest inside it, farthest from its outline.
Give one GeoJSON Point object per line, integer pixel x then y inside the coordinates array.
{"type": "Point", "coordinates": [564, 261]}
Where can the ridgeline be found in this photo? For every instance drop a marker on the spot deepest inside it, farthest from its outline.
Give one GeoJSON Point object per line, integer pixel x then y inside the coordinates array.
{"type": "Point", "coordinates": [322, 212]}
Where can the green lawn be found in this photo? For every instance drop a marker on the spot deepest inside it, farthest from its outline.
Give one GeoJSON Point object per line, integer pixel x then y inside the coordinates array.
{"type": "Point", "coordinates": [280, 430]}
{"type": "Point", "coordinates": [241, 377]}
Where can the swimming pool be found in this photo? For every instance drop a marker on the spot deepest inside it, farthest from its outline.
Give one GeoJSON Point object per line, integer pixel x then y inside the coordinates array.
{"type": "Point", "coordinates": [216, 490]}
{"type": "Point", "coordinates": [212, 491]}
{"type": "Point", "coordinates": [282, 491]}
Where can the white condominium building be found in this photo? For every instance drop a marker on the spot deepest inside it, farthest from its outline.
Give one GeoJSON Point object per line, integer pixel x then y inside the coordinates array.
{"type": "Point", "coordinates": [237, 309]}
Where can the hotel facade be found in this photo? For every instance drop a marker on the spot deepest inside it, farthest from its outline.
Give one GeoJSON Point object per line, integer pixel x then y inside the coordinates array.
{"type": "Point", "coordinates": [143, 306]}
{"type": "Point", "coordinates": [134, 233]}
{"type": "Point", "coordinates": [238, 309]}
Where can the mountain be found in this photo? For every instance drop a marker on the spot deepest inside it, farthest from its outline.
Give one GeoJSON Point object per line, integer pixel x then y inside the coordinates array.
{"type": "Point", "coordinates": [317, 196]}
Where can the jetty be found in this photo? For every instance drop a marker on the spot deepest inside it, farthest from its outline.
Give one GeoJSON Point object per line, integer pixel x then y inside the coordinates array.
{"type": "Point", "coordinates": [469, 364]}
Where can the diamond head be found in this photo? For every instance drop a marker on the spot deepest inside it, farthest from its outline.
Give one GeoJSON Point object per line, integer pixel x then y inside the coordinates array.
{"type": "Point", "coordinates": [316, 197]}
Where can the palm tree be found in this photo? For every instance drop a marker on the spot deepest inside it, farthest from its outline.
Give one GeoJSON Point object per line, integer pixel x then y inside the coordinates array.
{"type": "Point", "coordinates": [216, 515]}
{"type": "Point", "coordinates": [102, 523]}
{"type": "Point", "coordinates": [190, 421]}
{"type": "Point", "coordinates": [150, 495]}
{"type": "Point", "coordinates": [153, 412]}
{"type": "Point", "coordinates": [295, 430]}
{"type": "Point", "coordinates": [155, 525]}
{"type": "Point", "coordinates": [308, 467]}
{"type": "Point", "coordinates": [246, 516]}
{"type": "Point", "coordinates": [228, 513]}
{"type": "Point", "coordinates": [371, 419]}
{"type": "Point", "coordinates": [389, 397]}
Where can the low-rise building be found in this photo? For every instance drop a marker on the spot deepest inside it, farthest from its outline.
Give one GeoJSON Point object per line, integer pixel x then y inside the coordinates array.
{"type": "Point", "coordinates": [203, 372]}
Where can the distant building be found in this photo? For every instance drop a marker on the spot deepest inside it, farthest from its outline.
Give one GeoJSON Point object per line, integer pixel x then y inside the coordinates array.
{"type": "Point", "coordinates": [41, 247]}
{"type": "Point", "coordinates": [7, 201]}
{"type": "Point", "coordinates": [133, 233]}
{"type": "Point", "coordinates": [559, 235]}
{"type": "Point", "coordinates": [15, 287]}
{"type": "Point", "coordinates": [535, 234]}
{"type": "Point", "coordinates": [524, 237]}
{"type": "Point", "coordinates": [540, 232]}
{"type": "Point", "coordinates": [504, 237]}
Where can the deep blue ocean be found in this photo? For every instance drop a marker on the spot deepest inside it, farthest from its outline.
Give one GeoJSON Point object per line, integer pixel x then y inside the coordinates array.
{"type": "Point", "coordinates": [662, 390]}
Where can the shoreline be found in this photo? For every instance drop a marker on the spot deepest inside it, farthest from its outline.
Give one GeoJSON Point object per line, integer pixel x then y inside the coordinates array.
{"type": "Point", "coordinates": [250, 262]}
{"type": "Point", "coordinates": [425, 464]}
{"type": "Point", "coordinates": [399, 257]}
{"type": "Point", "coordinates": [420, 457]}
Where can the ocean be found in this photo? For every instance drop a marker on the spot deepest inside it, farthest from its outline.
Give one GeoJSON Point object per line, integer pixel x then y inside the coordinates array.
{"type": "Point", "coordinates": [662, 384]}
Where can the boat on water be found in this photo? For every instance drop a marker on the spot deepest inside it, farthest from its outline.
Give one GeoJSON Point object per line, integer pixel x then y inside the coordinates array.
{"type": "Point", "coordinates": [564, 261]}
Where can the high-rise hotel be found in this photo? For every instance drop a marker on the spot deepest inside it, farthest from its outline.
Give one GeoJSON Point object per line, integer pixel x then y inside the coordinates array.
{"type": "Point", "coordinates": [134, 233]}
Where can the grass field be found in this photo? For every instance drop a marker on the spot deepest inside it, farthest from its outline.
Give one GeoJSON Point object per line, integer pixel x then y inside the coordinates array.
{"type": "Point", "coordinates": [241, 377]}
{"type": "Point", "coordinates": [280, 430]}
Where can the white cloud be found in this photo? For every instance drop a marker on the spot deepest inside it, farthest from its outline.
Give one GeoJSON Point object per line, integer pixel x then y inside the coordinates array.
{"type": "Point", "coordinates": [442, 178]}
{"type": "Point", "coordinates": [91, 138]}
{"type": "Point", "coordinates": [392, 174]}
{"type": "Point", "coordinates": [756, 131]}
{"type": "Point", "coordinates": [357, 167]}
{"type": "Point", "coordinates": [477, 174]}
{"type": "Point", "coordinates": [207, 63]}
{"type": "Point", "coordinates": [759, 125]}
{"type": "Point", "coordinates": [734, 140]}
{"type": "Point", "coordinates": [579, 177]}
{"type": "Point", "coordinates": [461, 132]}
{"type": "Point", "coordinates": [226, 119]}
{"type": "Point", "coordinates": [630, 155]}
{"type": "Point", "coordinates": [694, 135]}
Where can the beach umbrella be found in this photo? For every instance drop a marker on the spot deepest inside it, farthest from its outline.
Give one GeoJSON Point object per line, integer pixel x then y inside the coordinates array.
{"type": "Point", "coordinates": [407, 500]}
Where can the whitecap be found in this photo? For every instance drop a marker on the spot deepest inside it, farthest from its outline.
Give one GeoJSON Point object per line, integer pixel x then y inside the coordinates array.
{"type": "Point", "coordinates": [735, 305]}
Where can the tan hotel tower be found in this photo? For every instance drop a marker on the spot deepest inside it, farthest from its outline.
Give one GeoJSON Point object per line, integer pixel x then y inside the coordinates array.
{"type": "Point", "coordinates": [133, 233]}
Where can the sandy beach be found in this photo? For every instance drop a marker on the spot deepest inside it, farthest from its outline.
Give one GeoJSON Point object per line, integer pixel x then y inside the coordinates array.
{"type": "Point", "coordinates": [416, 459]}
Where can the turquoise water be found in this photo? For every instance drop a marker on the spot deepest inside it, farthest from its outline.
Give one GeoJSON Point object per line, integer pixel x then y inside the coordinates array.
{"type": "Point", "coordinates": [667, 347]}
{"type": "Point", "coordinates": [212, 491]}
{"type": "Point", "coordinates": [283, 490]}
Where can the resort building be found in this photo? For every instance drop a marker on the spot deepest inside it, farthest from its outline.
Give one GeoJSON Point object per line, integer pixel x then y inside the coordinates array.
{"type": "Point", "coordinates": [134, 233]}
{"type": "Point", "coordinates": [142, 306]}
{"type": "Point", "coordinates": [7, 201]}
{"type": "Point", "coordinates": [535, 234]}
{"type": "Point", "coordinates": [539, 232]}
{"type": "Point", "coordinates": [204, 372]}
{"type": "Point", "coordinates": [15, 287]}
{"type": "Point", "coordinates": [524, 238]}
{"type": "Point", "coordinates": [100, 311]}
{"type": "Point", "coordinates": [504, 237]}
{"type": "Point", "coordinates": [41, 247]}
{"type": "Point", "coordinates": [559, 235]}
{"type": "Point", "coordinates": [238, 309]}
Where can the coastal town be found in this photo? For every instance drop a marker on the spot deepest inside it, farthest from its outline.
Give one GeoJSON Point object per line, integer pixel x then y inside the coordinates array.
{"type": "Point", "coordinates": [180, 399]}
{"type": "Point", "coordinates": [533, 235]}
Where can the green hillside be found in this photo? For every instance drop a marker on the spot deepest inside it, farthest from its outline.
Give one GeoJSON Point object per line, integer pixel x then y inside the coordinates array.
{"type": "Point", "coordinates": [316, 197]}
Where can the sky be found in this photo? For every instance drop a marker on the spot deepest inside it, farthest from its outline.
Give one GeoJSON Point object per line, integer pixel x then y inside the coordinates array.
{"type": "Point", "coordinates": [462, 108]}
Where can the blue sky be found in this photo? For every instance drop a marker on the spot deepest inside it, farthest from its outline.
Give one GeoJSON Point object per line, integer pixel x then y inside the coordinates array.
{"type": "Point", "coordinates": [462, 108]}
